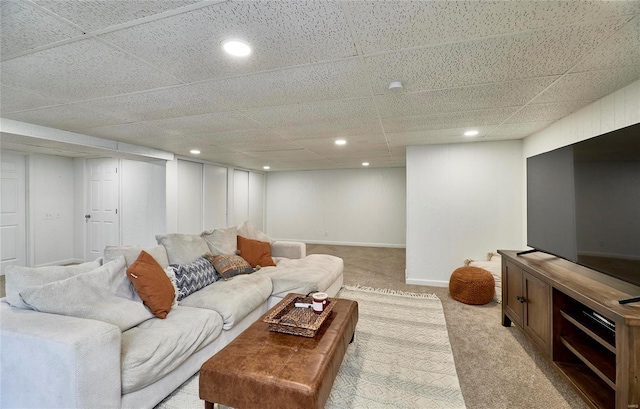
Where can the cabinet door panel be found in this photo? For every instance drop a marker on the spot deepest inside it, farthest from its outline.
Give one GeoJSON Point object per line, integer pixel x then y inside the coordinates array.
{"type": "Point", "coordinates": [537, 321]}
{"type": "Point", "coordinates": [512, 282]}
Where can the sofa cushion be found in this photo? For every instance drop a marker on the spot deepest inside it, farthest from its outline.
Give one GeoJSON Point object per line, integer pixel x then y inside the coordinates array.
{"type": "Point", "coordinates": [131, 254]}
{"type": "Point", "coordinates": [104, 294]}
{"type": "Point", "coordinates": [232, 299]}
{"type": "Point", "coordinates": [182, 248]}
{"type": "Point", "coordinates": [156, 347]}
{"type": "Point", "coordinates": [315, 272]}
{"type": "Point", "coordinates": [257, 253]}
{"type": "Point", "coordinates": [228, 265]}
{"type": "Point", "coordinates": [19, 278]}
{"type": "Point", "coordinates": [152, 284]}
{"type": "Point", "coordinates": [221, 241]}
{"type": "Point", "coordinates": [249, 231]}
{"type": "Point", "coordinates": [193, 276]}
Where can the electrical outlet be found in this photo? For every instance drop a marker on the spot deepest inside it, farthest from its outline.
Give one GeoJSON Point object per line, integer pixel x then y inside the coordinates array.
{"type": "Point", "coordinates": [48, 216]}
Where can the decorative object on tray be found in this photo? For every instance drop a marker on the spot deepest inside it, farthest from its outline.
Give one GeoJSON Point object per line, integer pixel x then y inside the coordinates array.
{"type": "Point", "coordinates": [289, 319]}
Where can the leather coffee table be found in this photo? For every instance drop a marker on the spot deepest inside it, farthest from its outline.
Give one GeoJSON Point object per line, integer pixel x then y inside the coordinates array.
{"type": "Point", "coordinates": [262, 369]}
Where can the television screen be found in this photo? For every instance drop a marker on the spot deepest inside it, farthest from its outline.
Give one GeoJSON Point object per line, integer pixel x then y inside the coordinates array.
{"type": "Point", "coordinates": [583, 203]}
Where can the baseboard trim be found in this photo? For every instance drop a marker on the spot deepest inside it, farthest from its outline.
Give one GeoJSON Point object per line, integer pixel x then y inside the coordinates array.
{"type": "Point", "coordinates": [431, 283]}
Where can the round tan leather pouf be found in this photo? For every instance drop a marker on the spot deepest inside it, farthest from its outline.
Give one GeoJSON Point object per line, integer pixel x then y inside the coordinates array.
{"type": "Point", "coordinates": [472, 285]}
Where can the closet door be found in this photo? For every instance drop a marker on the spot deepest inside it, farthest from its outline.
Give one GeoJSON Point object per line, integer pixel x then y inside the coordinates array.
{"type": "Point", "coordinates": [215, 197]}
{"type": "Point", "coordinates": [190, 215]}
{"type": "Point", "coordinates": [13, 217]}
{"type": "Point", "coordinates": [240, 196]}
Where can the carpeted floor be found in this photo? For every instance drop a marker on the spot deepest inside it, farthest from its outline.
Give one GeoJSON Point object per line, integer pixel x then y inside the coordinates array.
{"type": "Point", "coordinates": [497, 367]}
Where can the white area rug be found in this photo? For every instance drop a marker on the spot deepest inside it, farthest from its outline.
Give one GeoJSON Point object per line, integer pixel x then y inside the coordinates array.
{"type": "Point", "coordinates": [401, 357]}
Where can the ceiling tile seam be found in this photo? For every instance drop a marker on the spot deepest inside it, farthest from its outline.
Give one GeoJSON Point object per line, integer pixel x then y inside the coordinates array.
{"type": "Point", "coordinates": [568, 71]}
{"type": "Point", "coordinates": [488, 37]}
{"type": "Point", "coordinates": [117, 27]}
{"type": "Point", "coordinates": [356, 41]}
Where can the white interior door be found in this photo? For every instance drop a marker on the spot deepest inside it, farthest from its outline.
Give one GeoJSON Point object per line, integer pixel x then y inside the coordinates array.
{"type": "Point", "coordinates": [102, 218]}
{"type": "Point", "coordinates": [12, 211]}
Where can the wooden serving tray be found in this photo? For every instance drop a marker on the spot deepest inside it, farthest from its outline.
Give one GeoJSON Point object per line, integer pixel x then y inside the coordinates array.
{"type": "Point", "coordinates": [285, 317]}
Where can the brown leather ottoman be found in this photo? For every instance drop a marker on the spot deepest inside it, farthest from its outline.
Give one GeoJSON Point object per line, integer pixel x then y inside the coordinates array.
{"type": "Point", "coordinates": [269, 370]}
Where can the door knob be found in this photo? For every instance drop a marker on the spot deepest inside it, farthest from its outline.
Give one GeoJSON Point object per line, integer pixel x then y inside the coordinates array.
{"type": "Point", "coordinates": [521, 299]}
{"type": "Point", "coordinates": [87, 216]}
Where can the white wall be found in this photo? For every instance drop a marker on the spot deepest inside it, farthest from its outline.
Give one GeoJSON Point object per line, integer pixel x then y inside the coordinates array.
{"type": "Point", "coordinates": [365, 207]}
{"type": "Point", "coordinates": [143, 202]}
{"type": "Point", "coordinates": [463, 200]}
{"type": "Point", "coordinates": [51, 209]}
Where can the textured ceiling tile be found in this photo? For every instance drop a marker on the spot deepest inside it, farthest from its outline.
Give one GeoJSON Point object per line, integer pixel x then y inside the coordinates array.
{"type": "Point", "coordinates": [504, 94]}
{"type": "Point", "coordinates": [13, 99]}
{"type": "Point", "coordinates": [390, 25]}
{"type": "Point", "coordinates": [158, 104]}
{"type": "Point", "coordinates": [64, 117]}
{"type": "Point", "coordinates": [547, 112]}
{"type": "Point", "coordinates": [623, 48]}
{"type": "Point", "coordinates": [448, 120]}
{"type": "Point", "coordinates": [434, 135]}
{"type": "Point", "coordinates": [94, 15]}
{"type": "Point", "coordinates": [129, 132]}
{"type": "Point", "coordinates": [317, 112]}
{"type": "Point", "coordinates": [297, 154]}
{"type": "Point", "coordinates": [334, 129]}
{"type": "Point", "coordinates": [25, 27]}
{"type": "Point", "coordinates": [327, 81]}
{"type": "Point", "coordinates": [527, 55]}
{"type": "Point", "coordinates": [328, 144]}
{"type": "Point", "coordinates": [81, 70]}
{"type": "Point", "coordinates": [202, 124]}
{"type": "Point", "coordinates": [589, 85]}
{"type": "Point", "coordinates": [270, 144]}
{"type": "Point", "coordinates": [281, 34]}
{"type": "Point", "coordinates": [517, 131]}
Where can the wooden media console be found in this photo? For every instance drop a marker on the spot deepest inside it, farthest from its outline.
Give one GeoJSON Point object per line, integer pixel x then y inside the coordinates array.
{"type": "Point", "coordinates": [573, 315]}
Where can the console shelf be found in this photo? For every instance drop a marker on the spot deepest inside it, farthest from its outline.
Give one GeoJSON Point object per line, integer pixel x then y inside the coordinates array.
{"type": "Point", "coordinates": [572, 314]}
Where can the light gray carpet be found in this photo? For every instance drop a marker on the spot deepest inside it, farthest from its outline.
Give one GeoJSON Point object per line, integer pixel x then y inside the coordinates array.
{"type": "Point", "coordinates": [401, 358]}
{"type": "Point", "coordinates": [498, 367]}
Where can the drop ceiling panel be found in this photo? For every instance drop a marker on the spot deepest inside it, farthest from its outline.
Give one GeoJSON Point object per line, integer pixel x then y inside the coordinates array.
{"type": "Point", "coordinates": [517, 131]}
{"type": "Point", "coordinates": [527, 55]}
{"type": "Point", "coordinates": [448, 120]}
{"type": "Point", "coordinates": [308, 83]}
{"type": "Point", "coordinates": [202, 124]}
{"type": "Point", "coordinates": [334, 129]}
{"type": "Point", "coordinates": [158, 104]}
{"type": "Point", "coordinates": [81, 70]}
{"type": "Point", "coordinates": [390, 25]}
{"type": "Point", "coordinates": [620, 50]}
{"type": "Point", "coordinates": [94, 15]}
{"type": "Point", "coordinates": [547, 112]}
{"type": "Point", "coordinates": [14, 99]}
{"type": "Point", "coordinates": [504, 94]}
{"type": "Point", "coordinates": [267, 144]}
{"type": "Point", "coordinates": [314, 113]}
{"type": "Point", "coordinates": [281, 34]}
{"type": "Point", "coordinates": [589, 85]}
{"type": "Point", "coordinates": [25, 27]}
{"type": "Point", "coordinates": [64, 117]}
{"type": "Point", "coordinates": [433, 136]}
{"type": "Point", "coordinates": [130, 132]}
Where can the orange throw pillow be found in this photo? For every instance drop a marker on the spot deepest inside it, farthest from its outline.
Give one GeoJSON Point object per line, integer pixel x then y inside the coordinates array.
{"type": "Point", "coordinates": [257, 253]}
{"type": "Point", "coordinates": [152, 284]}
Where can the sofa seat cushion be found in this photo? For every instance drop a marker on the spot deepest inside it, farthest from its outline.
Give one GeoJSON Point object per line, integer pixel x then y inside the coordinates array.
{"type": "Point", "coordinates": [158, 346]}
{"type": "Point", "coordinates": [315, 272]}
{"type": "Point", "coordinates": [233, 299]}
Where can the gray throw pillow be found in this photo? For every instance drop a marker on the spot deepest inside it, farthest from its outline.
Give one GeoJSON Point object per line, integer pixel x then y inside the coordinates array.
{"type": "Point", "coordinates": [104, 294]}
{"type": "Point", "coordinates": [19, 278]}
{"type": "Point", "coordinates": [182, 248]}
{"type": "Point", "coordinates": [222, 241]}
{"type": "Point", "coordinates": [131, 254]}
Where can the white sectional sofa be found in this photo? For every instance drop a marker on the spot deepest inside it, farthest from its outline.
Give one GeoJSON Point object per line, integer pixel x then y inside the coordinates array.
{"type": "Point", "coordinates": [63, 361]}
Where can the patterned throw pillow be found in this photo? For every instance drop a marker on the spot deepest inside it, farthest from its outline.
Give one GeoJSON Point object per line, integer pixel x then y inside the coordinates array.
{"type": "Point", "coordinates": [194, 276]}
{"type": "Point", "coordinates": [229, 265]}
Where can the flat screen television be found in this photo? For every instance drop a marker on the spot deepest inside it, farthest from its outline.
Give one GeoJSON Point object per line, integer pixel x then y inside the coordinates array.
{"type": "Point", "coordinates": [583, 203]}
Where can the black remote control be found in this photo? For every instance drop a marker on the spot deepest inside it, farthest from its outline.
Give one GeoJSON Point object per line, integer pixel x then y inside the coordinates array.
{"type": "Point", "coordinates": [628, 300]}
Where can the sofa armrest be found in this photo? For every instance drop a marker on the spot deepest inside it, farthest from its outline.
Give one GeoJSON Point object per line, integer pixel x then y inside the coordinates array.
{"type": "Point", "coordinates": [55, 361]}
{"type": "Point", "coordinates": [288, 249]}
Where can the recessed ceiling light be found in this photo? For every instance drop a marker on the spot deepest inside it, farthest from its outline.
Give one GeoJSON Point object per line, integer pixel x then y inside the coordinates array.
{"type": "Point", "coordinates": [365, 163]}
{"type": "Point", "coordinates": [471, 133]}
{"type": "Point", "coordinates": [236, 48]}
{"type": "Point", "coordinates": [341, 142]}
{"type": "Point", "coordinates": [266, 167]}
{"type": "Point", "coordinates": [195, 151]}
